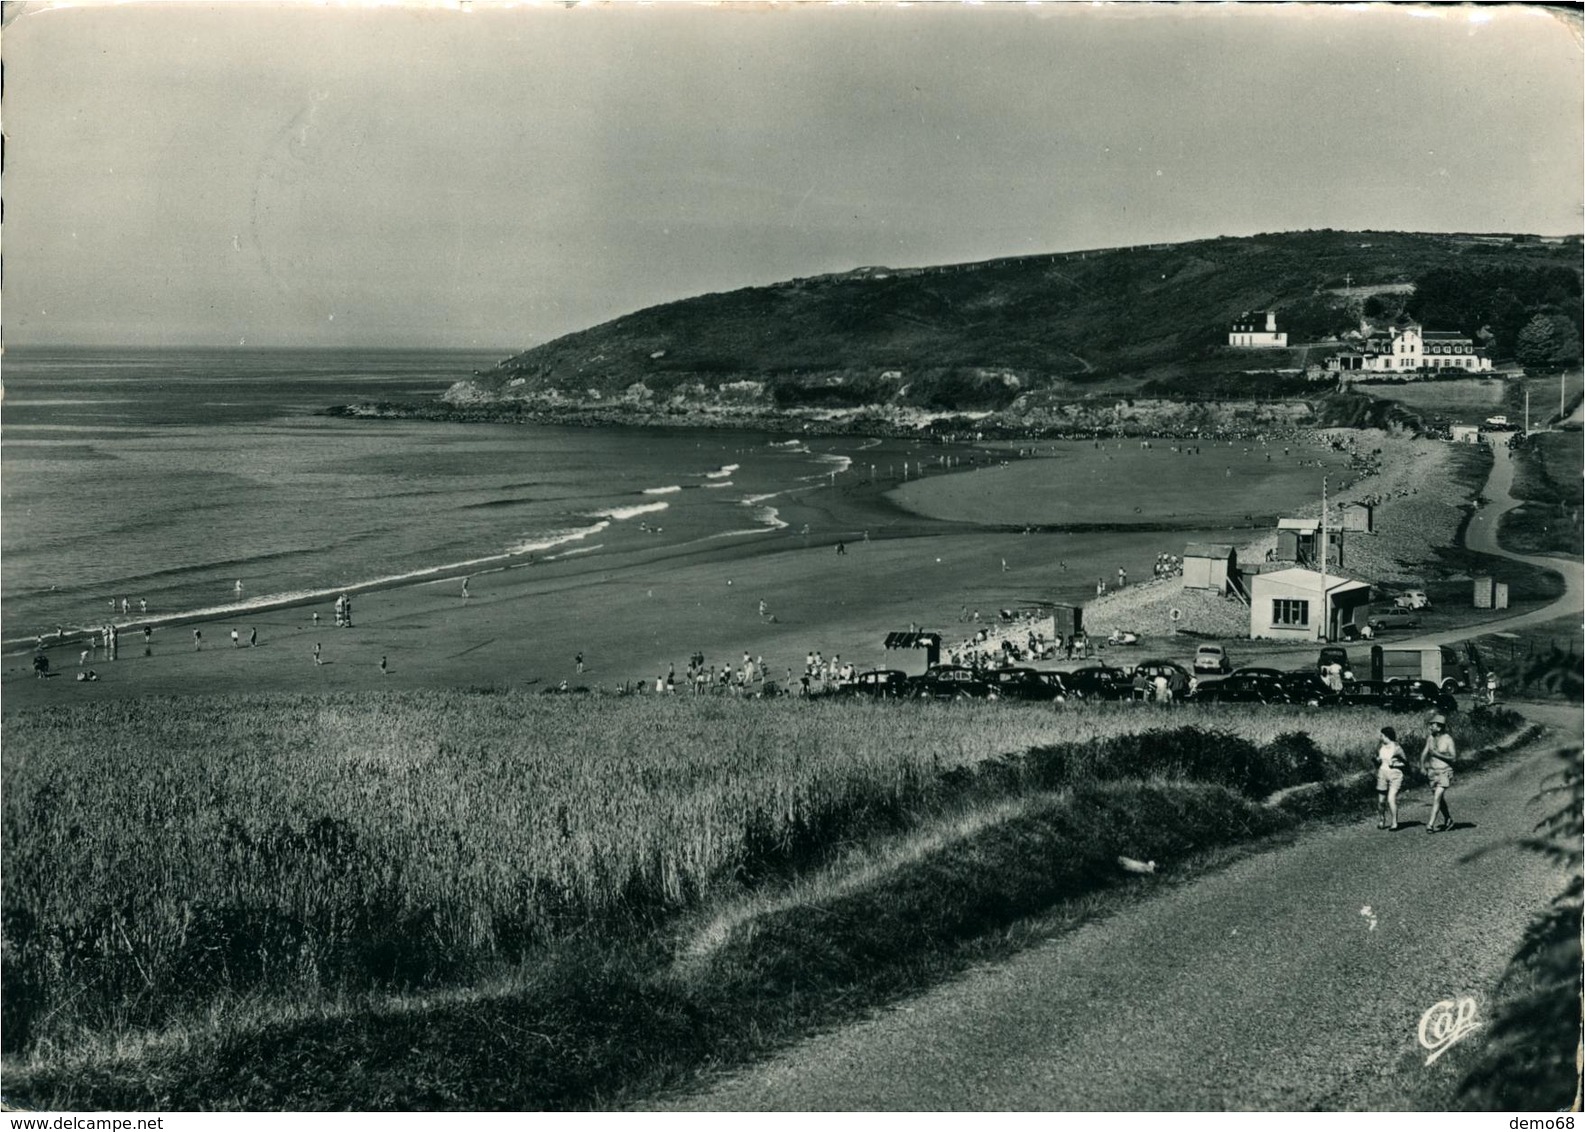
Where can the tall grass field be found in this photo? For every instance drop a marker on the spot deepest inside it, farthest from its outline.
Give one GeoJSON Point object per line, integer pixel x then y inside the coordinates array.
{"type": "Point", "coordinates": [171, 862]}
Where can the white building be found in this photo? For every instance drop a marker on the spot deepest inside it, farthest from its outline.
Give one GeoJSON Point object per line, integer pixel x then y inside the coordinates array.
{"type": "Point", "coordinates": [1287, 605]}
{"type": "Point", "coordinates": [1409, 348]}
{"type": "Point", "coordinates": [1257, 329]}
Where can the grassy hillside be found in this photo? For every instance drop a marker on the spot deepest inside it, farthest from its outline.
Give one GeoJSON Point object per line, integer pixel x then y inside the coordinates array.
{"type": "Point", "coordinates": [977, 336]}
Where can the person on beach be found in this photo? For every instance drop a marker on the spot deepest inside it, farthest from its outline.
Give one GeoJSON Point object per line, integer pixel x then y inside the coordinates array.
{"type": "Point", "coordinates": [148, 641]}
{"type": "Point", "coordinates": [198, 640]}
{"type": "Point", "coordinates": [385, 668]}
{"type": "Point", "coordinates": [842, 548]}
{"type": "Point", "coordinates": [237, 589]}
{"type": "Point", "coordinates": [253, 637]}
{"type": "Point", "coordinates": [143, 605]}
{"type": "Point", "coordinates": [316, 618]}
{"type": "Point", "coordinates": [465, 589]}
{"type": "Point", "coordinates": [318, 660]}
{"type": "Point", "coordinates": [82, 658]}
{"type": "Point", "coordinates": [1436, 761]}
{"type": "Point", "coordinates": [236, 642]}
{"type": "Point", "coordinates": [578, 663]}
{"type": "Point", "coordinates": [1390, 761]}
{"type": "Point", "coordinates": [1122, 578]}
{"type": "Point", "coordinates": [126, 606]}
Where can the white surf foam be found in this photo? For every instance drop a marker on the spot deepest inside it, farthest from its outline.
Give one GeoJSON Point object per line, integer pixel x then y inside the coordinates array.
{"type": "Point", "coordinates": [667, 490]}
{"type": "Point", "coordinates": [719, 483]}
{"type": "Point", "coordinates": [722, 472]}
{"type": "Point", "coordinates": [620, 513]}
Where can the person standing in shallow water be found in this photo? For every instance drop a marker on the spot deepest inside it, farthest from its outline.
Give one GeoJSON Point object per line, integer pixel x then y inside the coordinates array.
{"type": "Point", "coordinates": [1390, 761]}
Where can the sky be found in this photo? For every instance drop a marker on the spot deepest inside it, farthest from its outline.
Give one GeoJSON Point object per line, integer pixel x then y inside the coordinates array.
{"type": "Point", "coordinates": [494, 176]}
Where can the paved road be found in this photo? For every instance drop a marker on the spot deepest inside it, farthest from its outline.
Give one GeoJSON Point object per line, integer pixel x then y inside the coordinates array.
{"type": "Point", "coordinates": [1264, 986]}
{"type": "Point", "coordinates": [1481, 535]}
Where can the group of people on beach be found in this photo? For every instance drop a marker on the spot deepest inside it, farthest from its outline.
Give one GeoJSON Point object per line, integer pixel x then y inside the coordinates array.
{"type": "Point", "coordinates": [1435, 764]}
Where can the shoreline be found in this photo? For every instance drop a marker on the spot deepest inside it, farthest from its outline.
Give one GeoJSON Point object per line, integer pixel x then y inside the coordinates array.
{"type": "Point", "coordinates": [634, 608]}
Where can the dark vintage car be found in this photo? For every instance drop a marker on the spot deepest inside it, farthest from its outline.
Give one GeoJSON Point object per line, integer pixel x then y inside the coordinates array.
{"type": "Point", "coordinates": [1396, 696]}
{"type": "Point", "coordinates": [1025, 684]}
{"type": "Point", "coordinates": [1420, 695]}
{"type": "Point", "coordinates": [1177, 676]}
{"type": "Point", "coordinates": [1097, 682]}
{"type": "Point", "coordinates": [949, 682]}
{"type": "Point", "coordinates": [881, 683]}
{"type": "Point", "coordinates": [1246, 686]}
{"type": "Point", "coordinates": [1362, 693]}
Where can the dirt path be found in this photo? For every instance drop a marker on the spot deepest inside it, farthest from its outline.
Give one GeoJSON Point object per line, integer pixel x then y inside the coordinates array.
{"type": "Point", "coordinates": [1295, 979]}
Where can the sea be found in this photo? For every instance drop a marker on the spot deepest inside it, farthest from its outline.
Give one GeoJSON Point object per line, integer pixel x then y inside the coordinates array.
{"type": "Point", "coordinates": [185, 481]}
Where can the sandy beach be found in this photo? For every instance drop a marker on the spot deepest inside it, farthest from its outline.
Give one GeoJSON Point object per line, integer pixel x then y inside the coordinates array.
{"type": "Point", "coordinates": [635, 613]}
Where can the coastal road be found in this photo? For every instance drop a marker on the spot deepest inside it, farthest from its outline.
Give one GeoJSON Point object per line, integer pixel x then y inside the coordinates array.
{"type": "Point", "coordinates": [1293, 979]}
{"type": "Point", "coordinates": [1481, 536]}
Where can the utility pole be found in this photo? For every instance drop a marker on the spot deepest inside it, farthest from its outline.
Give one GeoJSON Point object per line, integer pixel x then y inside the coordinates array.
{"type": "Point", "coordinates": [1562, 385]}
{"type": "Point", "coordinates": [1527, 412]}
{"type": "Point", "coordinates": [1326, 620]}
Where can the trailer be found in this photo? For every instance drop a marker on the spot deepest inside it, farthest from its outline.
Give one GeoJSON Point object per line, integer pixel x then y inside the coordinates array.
{"type": "Point", "coordinates": [1443, 666]}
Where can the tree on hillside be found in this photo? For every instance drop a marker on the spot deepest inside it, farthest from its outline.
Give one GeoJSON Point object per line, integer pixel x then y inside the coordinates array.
{"type": "Point", "coordinates": [1547, 341]}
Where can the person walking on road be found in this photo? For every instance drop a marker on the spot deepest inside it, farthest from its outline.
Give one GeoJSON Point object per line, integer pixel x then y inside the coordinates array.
{"type": "Point", "coordinates": [1390, 761]}
{"type": "Point", "coordinates": [1436, 760]}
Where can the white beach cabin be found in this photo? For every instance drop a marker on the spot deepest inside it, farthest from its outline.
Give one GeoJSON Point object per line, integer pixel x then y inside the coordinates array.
{"type": "Point", "coordinates": [1287, 605]}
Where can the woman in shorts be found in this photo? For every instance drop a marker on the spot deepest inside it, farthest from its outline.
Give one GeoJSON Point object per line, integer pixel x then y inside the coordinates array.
{"type": "Point", "coordinates": [1390, 761]}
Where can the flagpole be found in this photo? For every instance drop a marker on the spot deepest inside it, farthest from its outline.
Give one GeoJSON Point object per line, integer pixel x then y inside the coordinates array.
{"type": "Point", "coordinates": [1326, 620]}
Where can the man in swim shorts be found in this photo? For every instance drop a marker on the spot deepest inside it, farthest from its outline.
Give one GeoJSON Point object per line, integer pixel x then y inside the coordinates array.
{"type": "Point", "coordinates": [1436, 760]}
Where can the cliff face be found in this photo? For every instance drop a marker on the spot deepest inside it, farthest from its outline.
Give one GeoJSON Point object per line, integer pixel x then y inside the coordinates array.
{"type": "Point", "coordinates": [983, 337]}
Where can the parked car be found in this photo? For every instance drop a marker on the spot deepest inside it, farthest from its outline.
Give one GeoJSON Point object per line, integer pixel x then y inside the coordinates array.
{"type": "Point", "coordinates": [1419, 695]}
{"type": "Point", "coordinates": [949, 682]}
{"type": "Point", "coordinates": [1412, 599]}
{"type": "Point", "coordinates": [1212, 658]}
{"type": "Point", "coordinates": [1306, 686]}
{"type": "Point", "coordinates": [881, 683]}
{"type": "Point", "coordinates": [1097, 682]}
{"type": "Point", "coordinates": [1335, 654]}
{"type": "Point", "coordinates": [1498, 421]}
{"type": "Point", "coordinates": [1246, 686]}
{"type": "Point", "coordinates": [1386, 620]}
{"type": "Point", "coordinates": [1362, 693]}
{"type": "Point", "coordinates": [1177, 676]}
{"type": "Point", "coordinates": [1025, 684]}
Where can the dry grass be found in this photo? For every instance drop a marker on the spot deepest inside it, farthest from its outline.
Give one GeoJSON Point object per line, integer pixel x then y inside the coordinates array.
{"type": "Point", "coordinates": [163, 857]}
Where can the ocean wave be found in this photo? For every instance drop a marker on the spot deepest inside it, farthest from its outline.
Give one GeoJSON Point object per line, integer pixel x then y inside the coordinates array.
{"type": "Point", "coordinates": [575, 550]}
{"type": "Point", "coordinates": [722, 472]}
{"type": "Point", "coordinates": [620, 513]}
{"type": "Point", "coordinates": [720, 483]}
{"type": "Point", "coordinates": [548, 542]}
{"type": "Point", "coordinates": [768, 516]}
{"type": "Point", "coordinates": [667, 490]}
{"type": "Point", "coordinates": [282, 599]}
{"type": "Point", "coordinates": [786, 444]}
